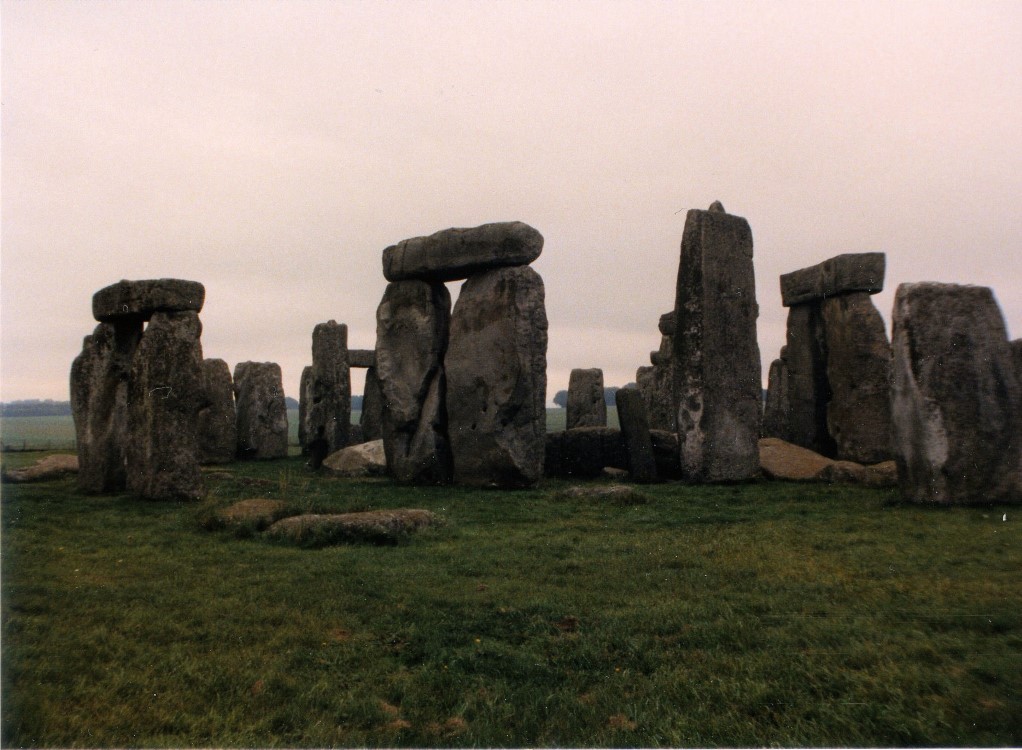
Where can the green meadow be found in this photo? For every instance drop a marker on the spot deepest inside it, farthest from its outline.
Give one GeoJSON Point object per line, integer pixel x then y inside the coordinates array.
{"type": "Point", "coordinates": [756, 614]}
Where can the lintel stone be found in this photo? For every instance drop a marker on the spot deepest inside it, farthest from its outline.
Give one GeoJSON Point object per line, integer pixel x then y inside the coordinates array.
{"type": "Point", "coordinates": [850, 272]}
{"type": "Point", "coordinates": [134, 299]}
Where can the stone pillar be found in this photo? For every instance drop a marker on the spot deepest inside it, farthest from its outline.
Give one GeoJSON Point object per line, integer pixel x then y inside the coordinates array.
{"type": "Point", "coordinates": [777, 409]}
{"type": "Point", "coordinates": [371, 419]}
{"type": "Point", "coordinates": [218, 419]}
{"type": "Point", "coordinates": [496, 379]}
{"type": "Point", "coordinates": [805, 359]}
{"type": "Point", "coordinates": [328, 414]}
{"type": "Point", "coordinates": [411, 339]}
{"type": "Point", "coordinates": [165, 393]}
{"type": "Point", "coordinates": [635, 432]}
{"type": "Point", "coordinates": [587, 406]}
{"type": "Point", "coordinates": [262, 412]}
{"type": "Point", "coordinates": [716, 357]}
{"type": "Point", "coordinates": [956, 400]}
{"type": "Point", "coordinates": [304, 401]}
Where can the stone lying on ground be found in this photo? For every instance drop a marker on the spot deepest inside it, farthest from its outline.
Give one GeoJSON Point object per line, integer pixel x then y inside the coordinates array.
{"type": "Point", "coordinates": [361, 358]}
{"type": "Point", "coordinates": [781, 460]}
{"type": "Point", "coordinates": [365, 460]}
{"type": "Point", "coordinates": [587, 406]}
{"type": "Point", "coordinates": [496, 379]}
{"type": "Point", "coordinates": [619, 494]}
{"type": "Point", "coordinates": [377, 526]}
{"type": "Point", "coordinates": [454, 254]}
{"type": "Point", "coordinates": [583, 452]}
{"type": "Point", "coordinates": [218, 419]}
{"type": "Point", "coordinates": [851, 272]}
{"type": "Point", "coordinates": [956, 399]}
{"type": "Point", "coordinates": [262, 413]}
{"type": "Point", "coordinates": [142, 298]}
{"type": "Point", "coordinates": [45, 469]}
{"type": "Point", "coordinates": [257, 512]}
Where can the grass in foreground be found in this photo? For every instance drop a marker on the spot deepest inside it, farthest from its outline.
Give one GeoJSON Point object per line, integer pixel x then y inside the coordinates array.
{"type": "Point", "coordinates": [746, 615]}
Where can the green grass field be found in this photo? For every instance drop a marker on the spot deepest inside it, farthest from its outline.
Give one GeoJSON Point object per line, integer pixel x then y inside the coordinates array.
{"type": "Point", "coordinates": [745, 615]}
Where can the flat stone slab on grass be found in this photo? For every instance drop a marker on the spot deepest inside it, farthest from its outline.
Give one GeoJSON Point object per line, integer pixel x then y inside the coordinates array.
{"type": "Point", "coordinates": [43, 470]}
{"type": "Point", "coordinates": [782, 460]}
{"type": "Point", "coordinates": [375, 526]}
{"type": "Point", "coordinates": [260, 512]}
{"type": "Point", "coordinates": [618, 494]}
{"type": "Point", "coordinates": [363, 460]}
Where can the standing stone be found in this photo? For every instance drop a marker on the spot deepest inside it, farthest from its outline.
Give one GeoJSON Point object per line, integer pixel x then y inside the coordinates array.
{"type": "Point", "coordinates": [777, 410]}
{"type": "Point", "coordinates": [328, 413]}
{"type": "Point", "coordinates": [304, 400]}
{"type": "Point", "coordinates": [411, 339]}
{"type": "Point", "coordinates": [262, 412]}
{"type": "Point", "coordinates": [361, 358]}
{"type": "Point", "coordinates": [99, 404]}
{"type": "Point", "coordinates": [1016, 353]}
{"type": "Point", "coordinates": [858, 374]}
{"type": "Point", "coordinates": [454, 254]}
{"type": "Point", "coordinates": [218, 419]}
{"type": "Point", "coordinates": [165, 392]}
{"type": "Point", "coordinates": [805, 360]}
{"type": "Point", "coordinates": [635, 433]}
{"type": "Point", "coordinates": [956, 402]}
{"type": "Point", "coordinates": [587, 406]}
{"type": "Point", "coordinates": [716, 356]}
{"type": "Point", "coordinates": [496, 379]}
{"type": "Point", "coordinates": [371, 419]}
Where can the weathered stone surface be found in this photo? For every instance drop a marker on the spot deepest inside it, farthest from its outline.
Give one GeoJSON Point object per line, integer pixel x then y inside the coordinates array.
{"type": "Point", "coordinates": [662, 357]}
{"type": "Point", "coordinates": [257, 513]}
{"type": "Point", "coordinates": [140, 299]}
{"type": "Point", "coordinates": [716, 357]}
{"type": "Point", "coordinates": [667, 324]}
{"type": "Point", "coordinates": [454, 254]}
{"type": "Point", "coordinates": [805, 360]}
{"type": "Point", "coordinates": [956, 401]}
{"type": "Point", "coordinates": [617, 494]}
{"type": "Point", "coordinates": [304, 400]}
{"type": "Point", "coordinates": [635, 433]}
{"type": "Point", "coordinates": [583, 452]}
{"type": "Point", "coordinates": [361, 358]}
{"type": "Point", "coordinates": [165, 393]}
{"type": "Point", "coordinates": [1016, 353]}
{"type": "Point", "coordinates": [371, 418]}
{"type": "Point", "coordinates": [328, 414]}
{"type": "Point", "coordinates": [99, 404]}
{"type": "Point", "coordinates": [374, 526]}
{"type": "Point", "coordinates": [858, 376]}
{"type": "Point", "coordinates": [496, 379]}
{"type": "Point", "coordinates": [777, 410]}
{"type": "Point", "coordinates": [587, 406]}
{"type": "Point", "coordinates": [666, 454]}
{"type": "Point", "coordinates": [411, 338]}
{"type": "Point", "coordinates": [656, 384]}
{"type": "Point", "coordinates": [851, 272]}
{"type": "Point", "coordinates": [783, 460]}
{"type": "Point", "coordinates": [365, 460]}
{"type": "Point", "coordinates": [262, 413]}
{"type": "Point", "coordinates": [218, 419]}
{"type": "Point", "coordinates": [43, 470]}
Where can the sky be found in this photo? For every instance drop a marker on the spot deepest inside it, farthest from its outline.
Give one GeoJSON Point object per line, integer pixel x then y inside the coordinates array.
{"type": "Point", "coordinates": [272, 150]}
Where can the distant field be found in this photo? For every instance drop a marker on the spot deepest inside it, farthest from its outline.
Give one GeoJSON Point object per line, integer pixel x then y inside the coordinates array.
{"type": "Point", "coordinates": [58, 433]}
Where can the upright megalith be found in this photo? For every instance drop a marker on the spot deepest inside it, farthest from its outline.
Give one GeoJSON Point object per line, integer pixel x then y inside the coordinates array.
{"type": "Point", "coordinates": [454, 254]}
{"type": "Point", "coordinates": [370, 421]}
{"type": "Point", "coordinates": [125, 438]}
{"type": "Point", "coordinates": [836, 362]}
{"type": "Point", "coordinates": [587, 406]}
{"type": "Point", "coordinates": [956, 399]}
{"type": "Point", "coordinates": [262, 412]}
{"type": "Point", "coordinates": [165, 394]}
{"type": "Point", "coordinates": [635, 432]}
{"type": "Point", "coordinates": [304, 400]}
{"type": "Point", "coordinates": [411, 339]}
{"type": "Point", "coordinates": [217, 418]}
{"type": "Point", "coordinates": [328, 412]}
{"type": "Point", "coordinates": [715, 354]}
{"type": "Point", "coordinates": [496, 379]}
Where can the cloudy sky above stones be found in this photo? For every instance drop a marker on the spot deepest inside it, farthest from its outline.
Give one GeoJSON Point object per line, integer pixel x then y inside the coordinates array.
{"type": "Point", "coordinates": [272, 150]}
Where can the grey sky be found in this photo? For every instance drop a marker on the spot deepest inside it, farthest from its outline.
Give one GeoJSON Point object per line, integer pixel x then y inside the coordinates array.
{"type": "Point", "coordinates": [271, 150]}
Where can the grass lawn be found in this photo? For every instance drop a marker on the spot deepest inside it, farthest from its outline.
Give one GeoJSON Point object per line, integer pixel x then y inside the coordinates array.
{"type": "Point", "coordinates": [743, 615]}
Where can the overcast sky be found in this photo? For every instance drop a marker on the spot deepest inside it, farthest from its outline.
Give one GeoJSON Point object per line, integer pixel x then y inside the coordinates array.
{"type": "Point", "coordinates": [272, 150]}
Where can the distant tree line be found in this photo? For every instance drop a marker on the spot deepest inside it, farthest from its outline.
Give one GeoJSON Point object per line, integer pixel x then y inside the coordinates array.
{"type": "Point", "coordinates": [609, 396]}
{"type": "Point", "coordinates": [36, 408]}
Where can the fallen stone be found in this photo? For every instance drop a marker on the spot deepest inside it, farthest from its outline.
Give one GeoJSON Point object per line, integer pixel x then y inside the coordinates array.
{"type": "Point", "coordinates": [496, 379]}
{"type": "Point", "coordinates": [618, 494]}
{"type": "Point", "coordinates": [377, 527]}
{"type": "Point", "coordinates": [365, 460]}
{"type": "Point", "coordinates": [454, 254]}
{"type": "Point", "coordinates": [217, 418]}
{"type": "Point", "coordinates": [262, 413]}
{"type": "Point", "coordinates": [851, 272]}
{"type": "Point", "coordinates": [635, 435]}
{"type": "Point", "coordinates": [412, 323]}
{"type": "Point", "coordinates": [781, 460]}
{"type": "Point", "coordinates": [140, 299]}
{"type": "Point", "coordinates": [956, 400]}
{"type": "Point", "coordinates": [44, 470]}
{"type": "Point", "coordinates": [587, 406]}
{"type": "Point", "coordinates": [259, 513]}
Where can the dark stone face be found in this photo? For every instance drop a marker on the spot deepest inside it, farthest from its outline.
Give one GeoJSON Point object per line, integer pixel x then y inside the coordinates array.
{"type": "Point", "coordinates": [140, 299]}
{"type": "Point", "coordinates": [851, 272]}
{"type": "Point", "coordinates": [587, 406]}
{"type": "Point", "coordinates": [328, 412]}
{"type": "Point", "coordinates": [217, 418]}
{"type": "Point", "coordinates": [262, 412]}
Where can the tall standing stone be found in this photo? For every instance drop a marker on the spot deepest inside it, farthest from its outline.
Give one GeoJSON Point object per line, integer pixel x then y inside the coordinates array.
{"type": "Point", "coordinates": [956, 400]}
{"type": "Point", "coordinates": [411, 339]}
{"type": "Point", "coordinates": [262, 412]}
{"type": "Point", "coordinates": [808, 390]}
{"type": "Point", "coordinates": [636, 435]}
{"type": "Point", "coordinates": [165, 393]}
{"type": "Point", "coordinates": [587, 406]}
{"type": "Point", "coordinates": [776, 410]}
{"type": "Point", "coordinates": [496, 379]}
{"type": "Point", "coordinates": [328, 414]}
{"type": "Point", "coordinates": [304, 401]}
{"type": "Point", "coordinates": [371, 419]}
{"type": "Point", "coordinates": [218, 419]}
{"type": "Point", "coordinates": [716, 356]}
